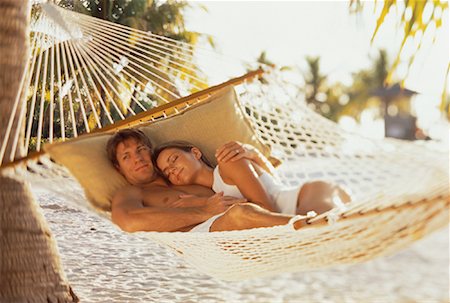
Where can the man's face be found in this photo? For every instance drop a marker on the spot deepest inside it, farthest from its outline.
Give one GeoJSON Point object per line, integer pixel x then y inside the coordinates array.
{"type": "Point", "coordinates": [135, 162]}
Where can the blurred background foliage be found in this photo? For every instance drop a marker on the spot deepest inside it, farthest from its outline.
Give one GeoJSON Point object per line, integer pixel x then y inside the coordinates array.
{"type": "Point", "coordinates": [416, 18]}
{"type": "Point", "coordinates": [158, 17]}
{"type": "Point", "coordinates": [332, 100]}
{"type": "Point", "coordinates": [379, 88]}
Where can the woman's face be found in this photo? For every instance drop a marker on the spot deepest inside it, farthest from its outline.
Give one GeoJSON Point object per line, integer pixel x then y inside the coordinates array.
{"type": "Point", "coordinates": [180, 167]}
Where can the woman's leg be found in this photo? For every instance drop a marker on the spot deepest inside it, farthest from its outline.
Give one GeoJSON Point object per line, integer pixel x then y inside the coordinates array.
{"type": "Point", "coordinates": [320, 196]}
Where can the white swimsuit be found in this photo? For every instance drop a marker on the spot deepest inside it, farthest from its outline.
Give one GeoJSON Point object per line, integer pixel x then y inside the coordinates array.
{"type": "Point", "coordinates": [285, 199]}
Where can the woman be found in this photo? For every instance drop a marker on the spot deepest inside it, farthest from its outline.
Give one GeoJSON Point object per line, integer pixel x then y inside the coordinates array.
{"type": "Point", "coordinates": [248, 177]}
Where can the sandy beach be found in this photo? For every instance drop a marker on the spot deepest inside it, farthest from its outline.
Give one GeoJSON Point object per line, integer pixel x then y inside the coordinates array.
{"type": "Point", "coordinates": [104, 264]}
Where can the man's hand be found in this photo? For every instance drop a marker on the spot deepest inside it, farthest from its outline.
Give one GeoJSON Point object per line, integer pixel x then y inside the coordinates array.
{"type": "Point", "coordinates": [218, 203]}
{"type": "Point", "coordinates": [233, 151]}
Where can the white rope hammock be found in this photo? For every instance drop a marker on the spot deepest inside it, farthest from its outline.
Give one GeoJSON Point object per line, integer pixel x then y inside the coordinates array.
{"type": "Point", "coordinates": [85, 74]}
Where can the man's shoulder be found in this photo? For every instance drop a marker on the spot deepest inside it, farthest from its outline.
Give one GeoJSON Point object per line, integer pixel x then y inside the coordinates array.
{"type": "Point", "coordinates": [133, 190]}
{"type": "Point", "coordinates": [126, 197]}
{"type": "Point", "coordinates": [127, 191]}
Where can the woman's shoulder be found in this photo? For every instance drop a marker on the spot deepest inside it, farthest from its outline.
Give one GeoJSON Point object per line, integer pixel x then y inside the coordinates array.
{"type": "Point", "coordinates": [229, 165]}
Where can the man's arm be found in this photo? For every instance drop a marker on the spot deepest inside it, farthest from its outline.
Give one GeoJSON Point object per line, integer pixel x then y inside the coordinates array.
{"type": "Point", "coordinates": [131, 215]}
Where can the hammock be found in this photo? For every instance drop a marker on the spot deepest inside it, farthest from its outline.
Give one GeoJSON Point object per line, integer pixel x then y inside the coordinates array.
{"type": "Point", "coordinates": [110, 76]}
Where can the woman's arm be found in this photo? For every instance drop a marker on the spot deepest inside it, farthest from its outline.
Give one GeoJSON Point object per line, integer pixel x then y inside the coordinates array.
{"type": "Point", "coordinates": [187, 200]}
{"type": "Point", "coordinates": [244, 175]}
{"type": "Point", "coordinates": [234, 151]}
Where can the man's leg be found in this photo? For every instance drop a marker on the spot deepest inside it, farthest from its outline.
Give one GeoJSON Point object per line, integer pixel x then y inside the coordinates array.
{"type": "Point", "coordinates": [248, 215]}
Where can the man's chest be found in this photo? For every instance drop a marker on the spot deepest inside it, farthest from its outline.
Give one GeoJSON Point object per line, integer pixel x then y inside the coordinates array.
{"type": "Point", "coordinates": [161, 197]}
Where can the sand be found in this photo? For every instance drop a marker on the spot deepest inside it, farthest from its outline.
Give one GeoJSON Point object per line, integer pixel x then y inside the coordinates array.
{"type": "Point", "coordinates": [104, 264]}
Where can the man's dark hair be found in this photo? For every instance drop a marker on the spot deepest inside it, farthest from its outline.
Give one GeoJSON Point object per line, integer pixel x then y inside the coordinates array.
{"type": "Point", "coordinates": [121, 136]}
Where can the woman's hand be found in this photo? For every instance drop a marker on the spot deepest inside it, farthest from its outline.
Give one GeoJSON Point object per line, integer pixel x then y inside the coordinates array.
{"type": "Point", "coordinates": [218, 203]}
{"type": "Point", "coordinates": [233, 151]}
{"type": "Point", "coordinates": [188, 200]}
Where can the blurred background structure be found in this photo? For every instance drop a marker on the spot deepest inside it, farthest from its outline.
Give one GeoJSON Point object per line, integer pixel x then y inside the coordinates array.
{"type": "Point", "coordinates": [375, 68]}
{"type": "Point", "coordinates": [340, 53]}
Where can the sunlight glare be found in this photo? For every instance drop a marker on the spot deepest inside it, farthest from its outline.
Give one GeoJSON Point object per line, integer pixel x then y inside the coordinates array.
{"type": "Point", "coordinates": [427, 12]}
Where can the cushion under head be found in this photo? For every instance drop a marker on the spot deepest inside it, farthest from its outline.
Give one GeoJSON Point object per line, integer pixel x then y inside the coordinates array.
{"type": "Point", "coordinates": [208, 124]}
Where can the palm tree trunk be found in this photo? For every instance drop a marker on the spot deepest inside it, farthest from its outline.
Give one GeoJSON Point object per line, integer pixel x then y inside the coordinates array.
{"type": "Point", "coordinates": [30, 269]}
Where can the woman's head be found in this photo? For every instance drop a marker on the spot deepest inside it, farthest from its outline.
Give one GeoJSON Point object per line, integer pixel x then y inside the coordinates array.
{"type": "Point", "coordinates": [180, 162]}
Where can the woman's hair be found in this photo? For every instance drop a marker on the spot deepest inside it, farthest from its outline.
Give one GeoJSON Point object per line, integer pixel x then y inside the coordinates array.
{"type": "Point", "coordinates": [181, 145]}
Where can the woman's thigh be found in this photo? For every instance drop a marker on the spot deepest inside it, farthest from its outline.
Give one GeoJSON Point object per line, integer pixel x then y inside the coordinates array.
{"type": "Point", "coordinates": [320, 196]}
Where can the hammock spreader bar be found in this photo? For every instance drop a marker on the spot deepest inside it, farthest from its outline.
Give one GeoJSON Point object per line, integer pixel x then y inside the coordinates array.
{"type": "Point", "coordinates": [154, 112]}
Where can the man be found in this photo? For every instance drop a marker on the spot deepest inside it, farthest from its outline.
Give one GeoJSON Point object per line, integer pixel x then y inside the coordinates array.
{"type": "Point", "coordinates": [150, 204]}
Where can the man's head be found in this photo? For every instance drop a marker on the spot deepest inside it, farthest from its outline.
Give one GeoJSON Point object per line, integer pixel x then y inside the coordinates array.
{"type": "Point", "coordinates": [130, 151]}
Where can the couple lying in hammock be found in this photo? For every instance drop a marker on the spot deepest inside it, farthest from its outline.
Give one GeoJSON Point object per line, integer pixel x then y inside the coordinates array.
{"type": "Point", "coordinates": [174, 188]}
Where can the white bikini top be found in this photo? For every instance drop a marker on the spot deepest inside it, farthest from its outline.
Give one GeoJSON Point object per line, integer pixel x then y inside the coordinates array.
{"type": "Point", "coordinates": [219, 185]}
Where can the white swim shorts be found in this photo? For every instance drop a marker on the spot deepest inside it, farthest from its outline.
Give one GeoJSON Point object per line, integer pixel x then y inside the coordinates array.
{"type": "Point", "coordinates": [205, 226]}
